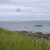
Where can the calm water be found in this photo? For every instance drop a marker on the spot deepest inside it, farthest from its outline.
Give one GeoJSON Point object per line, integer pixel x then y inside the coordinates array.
{"type": "Point", "coordinates": [27, 26]}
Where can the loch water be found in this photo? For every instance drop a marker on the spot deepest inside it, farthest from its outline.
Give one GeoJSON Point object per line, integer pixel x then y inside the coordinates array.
{"type": "Point", "coordinates": [34, 26]}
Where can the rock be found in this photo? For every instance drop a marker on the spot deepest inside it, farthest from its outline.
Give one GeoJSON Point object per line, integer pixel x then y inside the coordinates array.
{"type": "Point", "coordinates": [39, 33]}
{"type": "Point", "coordinates": [45, 37]}
{"type": "Point", "coordinates": [38, 25]}
{"type": "Point", "coordinates": [23, 31]}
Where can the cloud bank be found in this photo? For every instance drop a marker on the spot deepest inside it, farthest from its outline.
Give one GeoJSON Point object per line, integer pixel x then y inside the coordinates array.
{"type": "Point", "coordinates": [29, 9]}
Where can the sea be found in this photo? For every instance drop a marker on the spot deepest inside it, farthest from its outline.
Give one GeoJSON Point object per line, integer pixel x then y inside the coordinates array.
{"type": "Point", "coordinates": [30, 26]}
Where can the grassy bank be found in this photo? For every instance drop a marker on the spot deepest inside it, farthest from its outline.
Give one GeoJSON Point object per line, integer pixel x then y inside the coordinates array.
{"type": "Point", "coordinates": [17, 41]}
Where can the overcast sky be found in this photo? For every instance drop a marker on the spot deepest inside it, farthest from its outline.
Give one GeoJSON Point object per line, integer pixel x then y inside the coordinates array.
{"type": "Point", "coordinates": [29, 9]}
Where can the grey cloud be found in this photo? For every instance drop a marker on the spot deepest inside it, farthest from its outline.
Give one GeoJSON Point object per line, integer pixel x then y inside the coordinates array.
{"type": "Point", "coordinates": [40, 8]}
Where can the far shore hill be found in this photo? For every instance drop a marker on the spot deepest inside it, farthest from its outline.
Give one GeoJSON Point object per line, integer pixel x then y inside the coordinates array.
{"type": "Point", "coordinates": [23, 20]}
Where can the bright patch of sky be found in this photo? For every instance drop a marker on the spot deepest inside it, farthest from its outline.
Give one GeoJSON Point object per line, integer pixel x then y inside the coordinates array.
{"type": "Point", "coordinates": [24, 9]}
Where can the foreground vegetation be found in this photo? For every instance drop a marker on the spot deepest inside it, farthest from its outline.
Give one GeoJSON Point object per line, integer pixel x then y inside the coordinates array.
{"type": "Point", "coordinates": [10, 40]}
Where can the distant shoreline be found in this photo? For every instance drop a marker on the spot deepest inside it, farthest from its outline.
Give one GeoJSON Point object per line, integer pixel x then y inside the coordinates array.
{"type": "Point", "coordinates": [28, 21]}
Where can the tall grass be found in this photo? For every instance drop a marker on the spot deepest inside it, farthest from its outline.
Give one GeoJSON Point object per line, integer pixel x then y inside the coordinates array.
{"type": "Point", "coordinates": [14, 41]}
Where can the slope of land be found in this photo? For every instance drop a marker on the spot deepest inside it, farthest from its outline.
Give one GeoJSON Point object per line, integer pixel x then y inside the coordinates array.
{"type": "Point", "coordinates": [11, 40]}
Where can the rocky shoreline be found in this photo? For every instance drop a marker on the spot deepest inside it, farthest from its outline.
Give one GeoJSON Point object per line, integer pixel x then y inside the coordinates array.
{"type": "Point", "coordinates": [35, 35]}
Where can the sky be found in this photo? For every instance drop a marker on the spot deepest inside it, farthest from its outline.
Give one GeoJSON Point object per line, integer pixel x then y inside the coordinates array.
{"type": "Point", "coordinates": [24, 10]}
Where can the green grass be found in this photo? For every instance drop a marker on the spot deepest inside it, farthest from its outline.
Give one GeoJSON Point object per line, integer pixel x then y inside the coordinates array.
{"type": "Point", "coordinates": [17, 41]}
